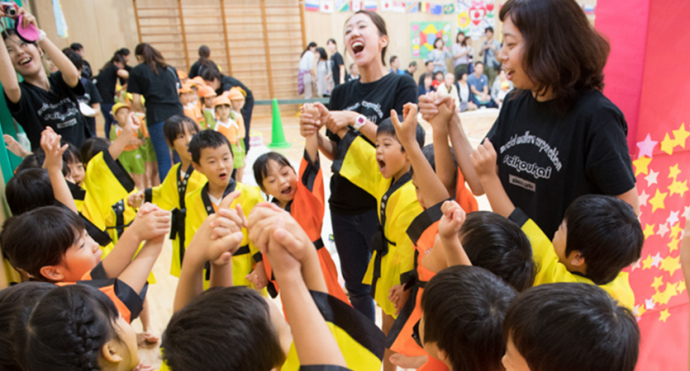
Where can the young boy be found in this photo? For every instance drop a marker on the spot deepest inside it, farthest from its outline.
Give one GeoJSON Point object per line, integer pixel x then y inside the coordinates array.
{"type": "Point", "coordinates": [254, 335]}
{"type": "Point", "coordinates": [569, 326]}
{"type": "Point", "coordinates": [206, 96]}
{"type": "Point", "coordinates": [180, 181]}
{"type": "Point", "coordinates": [131, 157]}
{"type": "Point", "coordinates": [212, 157]}
{"type": "Point", "coordinates": [357, 161]}
{"type": "Point", "coordinates": [599, 236]}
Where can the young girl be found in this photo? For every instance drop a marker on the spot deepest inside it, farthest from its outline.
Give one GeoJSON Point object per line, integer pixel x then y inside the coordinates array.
{"type": "Point", "coordinates": [206, 97]}
{"type": "Point", "coordinates": [131, 157]}
{"type": "Point", "coordinates": [303, 197]}
{"type": "Point", "coordinates": [323, 73]}
{"type": "Point", "coordinates": [236, 96]}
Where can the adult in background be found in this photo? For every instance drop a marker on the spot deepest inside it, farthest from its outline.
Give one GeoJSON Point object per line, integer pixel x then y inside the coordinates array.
{"type": "Point", "coordinates": [79, 49]}
{"type": "Point", "coordinates": [557, 136]}
{"type": "Point", "coordinates": [337, 63]}
{"type": "Point", "coordinates": [222, 83]}
{"type": "Point", "coordinates": [439, 56]}
{"type": "Point", "coordinates": [395, 65]}
{"type": "Point", "coordinates": [204, 55]}
{"type": "Point", "coordinates": [41, 100]}
{"type": "Point", "coordinates": [157, 82]}
{"type": "Point", "coordinates": [479, 87]}
{"type": "Point", "coordinates": [411, 69]}
{"type": "Point", "coordinates": [306, 77]}
{"type": "Point", "coordinates": [462, 55]}
{"type": "Point", "coordinates": [428, 69]}
{"type": "Point", "coordinates": [362, 104]}
{"type": "Point", "coordinates": [124, 53]}
{"type": "Point", "coordinates": [90, 101]}
{"type": "Point", "coordinates": [489, 50]}
{"type": "Point", "coordinates": [106, 81]}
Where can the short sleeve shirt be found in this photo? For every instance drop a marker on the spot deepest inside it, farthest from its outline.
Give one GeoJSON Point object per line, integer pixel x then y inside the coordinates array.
{"type": "Point", "coordinates": [478, 83]}
{"type": "Point", "coordinates": [159, 89]}
{"type": "Point", "coordinates": [337, 60]}
{"type": "Point", "coordinates": [547, 158]}
{"type": "Point", "coordinates": [229, 82]}
{"type": "Point", "coordinates": [57, 108]}
{"type": "Point", "coordinates": [106, 82]}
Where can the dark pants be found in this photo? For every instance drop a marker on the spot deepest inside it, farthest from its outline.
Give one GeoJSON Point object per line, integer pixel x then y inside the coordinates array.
{"type": "Point", "coordinates": [108, 117]}
{"type": "Point", "coordinates": [353, 235]}
{"type": "Point", "coordinates": [160, 146]}
{"type": "Point", "coordinates": [247, 116]}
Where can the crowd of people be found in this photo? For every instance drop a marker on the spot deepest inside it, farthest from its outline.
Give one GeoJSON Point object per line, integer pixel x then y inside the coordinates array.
{"type": "Point", "coordinates": [521, 287]}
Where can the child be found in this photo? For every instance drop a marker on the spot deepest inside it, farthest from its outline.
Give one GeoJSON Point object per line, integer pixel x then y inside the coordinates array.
{"type": "Point", "coordinates": [189, 101]}
{"type": "Point", "coordinates": [303, 197]}
{"type": "Point", "coordinates": [206, 96]}
{"type": "Point", "coordinates": [254, 335]}
{"type": "Point", "coordinates": [569, 326]}
{"type": "Point", "coordinates": [131, 157]}
{"type": "Point", "coordinates": [212, 157]}
{"type": "Point", "coordinates": [463, 310]}
{"type": "Point", "coordinates": [357, 161]}
{"type": "Point", "coordinates": [78, 328]}
{"type": "Point", "coordinates": [599, 236]}
{"type": "Point", "coordinates": [180, 181]}
{"type": "Point", "coordinates": [227, 125]}
{"type": "Point", "coordinates": [236, 96]}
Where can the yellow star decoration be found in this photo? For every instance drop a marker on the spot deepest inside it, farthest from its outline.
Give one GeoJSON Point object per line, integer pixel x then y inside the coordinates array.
{"type": "Point", "coordinates": [673, 171]}
{"type": "Point", "coordinates": [648, 231]}
{"type": "Point", "coordinates": [670, 265]}
{"type": "Point", "coordinates": [675, 230]}
{"type": "Point", "coordinates": [641, 165]}
{"type": "Point", "coordinates": [667, 144]}
{"type": "Point", "coordinates": [658, 281]}
{"type": "Point", "coordinates": [681, 286]}
{"type": "Point", "coordinates": [678, 187]}
{"type": "Point", "coordinates": [680, 135]}
{"type": "Point", "coordinates": [673, 245]}
{"type": "Point", "coordinates": [663, 297]}
{"type": "Point", "coordinates": [664, 314]}
{"type": "Point", "coordinates": [658, 200]}
{"type": "Point", "coordinates": [647, 263]}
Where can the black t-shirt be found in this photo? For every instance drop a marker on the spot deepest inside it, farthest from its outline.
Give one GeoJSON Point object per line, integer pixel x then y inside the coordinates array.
{"type": "Point", "coordinates": [159, 90]}
{"type": "Point", "coordinates": [57, 108]}
{"type": "Point", "coordinates": [335, 68]}
{"type": "Point", "coordinates": [547, 159]}
{"type": "Point", "coordinates": [196, 68]}
{"type": "Point", "coordinates": [375, 101]}
{"type": "Point", "coordinates": [86, 70]}
{"type": "Point", "coordinates": [128, 68]}
{"type": "Point", "coordinates": [229, 82]}
{"type": "Point", "coordinates": [106, 82]}
{"type": "Point", "coordinates": [90, 97]}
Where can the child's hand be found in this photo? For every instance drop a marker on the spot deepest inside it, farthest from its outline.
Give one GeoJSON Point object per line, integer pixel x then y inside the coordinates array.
{"type": "Point", "coordinates": [398, 296]}
{"type": "Point", "coordinates": [406, 130]}
{"type": "Point", "coordinates": [135, 199]}
{"type": "Point", "coordinates": [452, 219]}
{"type": "Point", "coordinates": [446, 108]}
{"type": "Point", "coordinates": [131, 124]}
{"type": "Point", "coordinates": [484, 160]}
{"type": "Point", "coordinates": [151, 222]}
{"type": "Point", "coordinates": [312, 117]}
{"type": "Point", "coordinates": [14, 146]}
{"type": "Point", "coordinates": [258, 276]}
{"type": "Point", "coordinates": [50, 142]}
{"type": "Point", "coordinates": [282, 246]}
{"type": "Point", "coordinates": [267, 219]}
{"type": "Point", "coordinates": [428, 106]}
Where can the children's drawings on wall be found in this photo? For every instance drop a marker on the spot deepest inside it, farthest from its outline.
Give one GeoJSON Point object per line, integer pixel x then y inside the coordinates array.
{"type": "Point", "coordinates": [423, 35]}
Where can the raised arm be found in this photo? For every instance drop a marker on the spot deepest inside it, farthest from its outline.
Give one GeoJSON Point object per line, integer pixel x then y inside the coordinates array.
{"type": "Point", "coordinates": [117, 146]}
{"type": "Point", "coordinates": [448, 231]}
{"type": "Point", "coordinates": [484, 162]}
{"type": "Point", "coordinates": [312, 117]}
{"type": "Point", "coordinates": [445, 166]}
{"type": "Point", "coordinates": [8, 77]}
{"type": "Point", "coordinates": [50, 142]}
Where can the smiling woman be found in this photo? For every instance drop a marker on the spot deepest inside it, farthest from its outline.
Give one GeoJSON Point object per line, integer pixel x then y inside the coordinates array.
{"type": "Point", "coordinates": [41, 100]}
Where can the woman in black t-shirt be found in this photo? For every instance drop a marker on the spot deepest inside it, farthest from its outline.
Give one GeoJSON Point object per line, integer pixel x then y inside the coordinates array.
{"type": "Point", "coordinates": [157, 82]}
{"type": "Point", "coordinates": [41, 100]}
{"type": "Point", "coordinates": [557, 136]}
{"type": "Point", "coordinates": [106, 82]}
{"type": "Point", "coordinates": [368, 101]}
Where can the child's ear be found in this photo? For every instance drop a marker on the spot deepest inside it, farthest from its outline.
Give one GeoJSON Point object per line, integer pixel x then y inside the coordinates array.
{"type": "Point", "coordinates": [110, 353]}
{"type": "Point", "coordinates": [443, 356]}
{"type": "Point", "coordinates": [52, 273]}
{"type": "Point", "coordinates": [576, 259]}
{"type": "Point", "coordinates": [196, 166]}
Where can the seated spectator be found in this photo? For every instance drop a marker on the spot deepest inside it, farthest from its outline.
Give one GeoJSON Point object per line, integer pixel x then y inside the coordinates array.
{"type": "Point", "coordinates": [448, 87]}
{"type": "Point", "coordinates": [429, 65]}
{"type": "Point", "coordinates": [411, 68]}
{"type": "Point", "coordinates": [479, 86]}
{"type": "Point", "coordinates": [395, 65]}
{"type": "Point", "coordinates": [501, 87]}
{"type": "Point", "coordinates": [465, 95]}
{"type": "Point", "coordinates": [426, 85]}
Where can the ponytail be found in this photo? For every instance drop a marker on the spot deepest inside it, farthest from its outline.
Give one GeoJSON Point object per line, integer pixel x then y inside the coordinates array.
{"type": "Point", "coordinates": [152, 57]}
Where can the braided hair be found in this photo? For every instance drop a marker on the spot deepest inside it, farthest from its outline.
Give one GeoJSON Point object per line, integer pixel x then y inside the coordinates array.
{"type": "Point", "coordinates": [68, 328]}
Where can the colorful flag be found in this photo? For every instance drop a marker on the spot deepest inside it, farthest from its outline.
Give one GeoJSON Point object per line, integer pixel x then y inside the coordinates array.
{"type": "Point", "coordinates": [326, 6]}
{"type": "Point", "coordinates": [342, 5]}
{"type": "Point", "coordinates": [436, 9]}
{"type": "Point", "coordinates": [398, 6]}
{"type": "Point", "coordinates": [412, 6]}
{"type": "Point", "coordinates": [386, 5]}
{"type": "Point", "coordinates": [589, 9]}
{"type": "Point", "coordinates": [372, 5]}
{"type": "Point", "coordinates": [449, 9]}
{"type": "Point", "coordinates": [356, 5]}
{"type": "Point", "coordinates": [424, 7]}
{"type": "Point", "coordinates": [312, 5]}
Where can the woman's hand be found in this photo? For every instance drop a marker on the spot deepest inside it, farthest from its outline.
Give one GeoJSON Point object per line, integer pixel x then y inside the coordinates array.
{"type": "Point", "coordinates": [27, 18]}
{"type": "Point", "coordinates": [341, 120]}
{"type": "Point", "coordinates": [313, 116]}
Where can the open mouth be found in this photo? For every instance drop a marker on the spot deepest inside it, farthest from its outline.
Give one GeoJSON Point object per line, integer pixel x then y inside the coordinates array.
{"type": "Point", "coordinates": [223, 175]}
{"type": "Point", "coordinates": [509, 74]}
{"type": "Point", "coordinates": [25, 61]}
{"type": "Point", "coordinates": [286, 191]}
{"type": "Point", "coordinates": [382, 164]}
{"type": "Point", "coordinates": [357, 47]}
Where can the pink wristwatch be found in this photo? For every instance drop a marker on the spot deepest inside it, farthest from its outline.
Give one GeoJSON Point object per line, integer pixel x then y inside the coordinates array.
{"type": "Point", "coordinates": [359, 122]}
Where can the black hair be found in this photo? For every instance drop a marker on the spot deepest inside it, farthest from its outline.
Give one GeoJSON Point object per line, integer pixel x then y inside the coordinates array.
{"type": "Point", "coordinates": [607, 232]}
{"type": "Point", "coordinates": [489, 29]}
{"type": "Point", "coordinates": [322, 53]}
{"type": "Point", "coordinates": [29, 189]}
{"type": "Point", "coordinates": [6, 33]}
{"type": "Point", "coordinates": [572, 326]}
{"type": "Point", "coordinates": [176, 125]}
{"type": "Point", "coordinates": [209, 71]}
{"type": "Point", "coordinates": [386, 127]}
{"type": "Point", "coordinates": [32, 161]}
{"type": "Point", "coordinates": [92, 147]}
{"type": "Point", "coordinates": [76, 47]}
{"type": "Point", "coordinates": [152, 57]}
{"type": "Point", "coordinates": [427, 62]}
{"type": "Point", "coordinates": [68, 328]}
{"type": "Point", "coordinates": [206, 335]}
{"type": "Point", "coordinates": [206, 139]}
{"type": "Point", "coordinates": [413, 63]}
{"type": "Point", "coordinates": [40, 238]}
{"type": "Point", "coordinates": [122, 51]}
{"type": "Point", "coordinates": [72, 153]}
{"type": "Point", "coordinates": [428, 152]}
{"type": "Point", "coordinates": [380, 24]}
{"type": "Point", "coordinates": [261, 166]}
{"type": "Point", "coordinates": [439, 72]}
{"type": "Point", "coordinates": [477, 63]}
{"type": "Point", "coordinates": [16, 304]}
{"type": "Point", "coordinates": [392, 59]}
{"type": "Point", "coordinates": [116, 58]}
{"type": "Point", "coordinates": [311, 45]}
{"type": "Point", "coordinates": [204, 52]}
{"type": "Point", "coordinates": [499, 246]}
{"type": "Point", "coordinates": [463, 309]}
{"type": "Point", "coordinates": [75, 58]}
{"type": "Point", "coordinates": [331, 40]}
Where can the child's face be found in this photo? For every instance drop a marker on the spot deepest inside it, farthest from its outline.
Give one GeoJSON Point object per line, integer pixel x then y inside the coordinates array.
{"type": "Point", "coordinates": [208, 102]}
{"type": "Point", "coordinates": [280, 325]}
{"type": "Point", "coordinates": [184, 99]}
{"type": "Point", "coordinates": [280, 181]}
{"type": "Point", "coordinates": [76, 170]}
{"type": "Point", "coordinates": [216, 164]}
{"type": "Point", "coordinates": [181, 144]}
{"type": "Point", "coordinates": [222, 112]}
{"type": "Point", "coordinates": [121, 116]}
{"type": "Point", "coordinates": [558, 242]}
{"type": "Point", "coordinates": [390, 156]}
{"type": "Point", "coordinates": [237, 104]}
{"type": "Point", "coordinates": [513, 360]}
{"type": "Point", "coordinates": [80, 258]}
